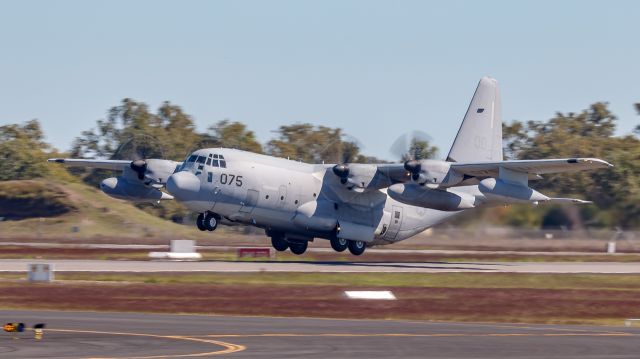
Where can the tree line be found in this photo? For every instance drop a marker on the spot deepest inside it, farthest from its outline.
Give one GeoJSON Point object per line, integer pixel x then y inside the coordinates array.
{"type": "Point", "coordinates": [131, 130]}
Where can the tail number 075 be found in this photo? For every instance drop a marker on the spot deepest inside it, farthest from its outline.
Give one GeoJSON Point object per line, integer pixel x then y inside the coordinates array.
{"type": "Point", "coordinates": [231, 179]}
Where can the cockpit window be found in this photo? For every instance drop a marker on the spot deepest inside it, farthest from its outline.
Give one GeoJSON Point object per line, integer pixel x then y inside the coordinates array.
{"type": "Point", "coordinates": [192, 158]}
{"type": "Point", "coordinates": [201, 159]}
{"type": "Point", "coordinates": [216, 160]}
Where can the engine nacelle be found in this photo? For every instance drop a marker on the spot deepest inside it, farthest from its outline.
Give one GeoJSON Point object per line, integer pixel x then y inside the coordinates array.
{"type": "Point", "coordinates": [433, 172]}
{"type": "Point", "coordinates": [120, 188]}
{"type": "Point", "coordinates": [150, 171]}
{"type": "Point", "coordinates": [420, 196]}
{"type": "Point", "coordinates": [497, 190]}
{"type": "Point", "coordinates": [356, 176]}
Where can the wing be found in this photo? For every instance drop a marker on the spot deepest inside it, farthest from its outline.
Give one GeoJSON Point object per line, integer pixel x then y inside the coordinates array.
{"type": "Point", "coordinates": [532, 167]}
{"type": "Point", "coordinates": [452, 174]}
{"type": "Point", "coordinates": [116, 165]}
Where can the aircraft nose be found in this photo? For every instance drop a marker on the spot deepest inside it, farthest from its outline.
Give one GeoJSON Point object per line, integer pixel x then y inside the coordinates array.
{"type": "Point", "coordinates": [183, 185]}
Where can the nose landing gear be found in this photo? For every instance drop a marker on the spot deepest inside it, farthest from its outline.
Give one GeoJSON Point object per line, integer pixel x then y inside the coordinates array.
{"type": "Point", "coordinates": [208, 221]}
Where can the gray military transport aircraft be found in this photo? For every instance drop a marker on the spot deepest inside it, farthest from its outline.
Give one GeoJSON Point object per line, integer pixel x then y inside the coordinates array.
{"type": "Point", "coordinates": [352, 205]}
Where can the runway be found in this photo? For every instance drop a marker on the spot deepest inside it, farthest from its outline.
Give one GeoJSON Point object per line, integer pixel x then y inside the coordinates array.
{"type": "Point", "coordinates": [132, 335]}
{"type": "Point", "coordinates": [19, 265]}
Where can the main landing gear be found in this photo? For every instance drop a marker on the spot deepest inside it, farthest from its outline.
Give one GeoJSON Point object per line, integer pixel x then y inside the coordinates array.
{"type": "Point", "coordinates": [207, 221]}
{"type": "Point", "coordinates": [281, 244]}
{"type": "Point", "coordinates": [339, 244]}
{"type": "Point", "coordinates": [298, 246]}
{"type": "Point", "coordinates": [355, 247]}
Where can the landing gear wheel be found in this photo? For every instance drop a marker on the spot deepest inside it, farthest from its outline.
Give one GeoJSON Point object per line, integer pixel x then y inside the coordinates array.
{"type": "Point", "coordinates": [211, 221]}
{"type": "Point", "coordinates": [357, 247]}
{"type": "Point", "coordinates": [339, 244]}
{"type": "Point", "coordinates": [200, 222]}
{"type": "Point", "coordinates": [298, 247]}
{"type": "Point", "coordinates": [278, 243]}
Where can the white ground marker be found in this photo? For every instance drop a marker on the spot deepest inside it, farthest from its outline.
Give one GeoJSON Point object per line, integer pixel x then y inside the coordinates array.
{"type": "Point", "coordinates": [370, 294]}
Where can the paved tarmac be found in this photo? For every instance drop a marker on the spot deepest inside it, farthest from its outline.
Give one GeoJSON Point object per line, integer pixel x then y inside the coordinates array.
{"type": "Point", "coordinates": [132, 335]}
{"type": "Point", "coordinates": [385, 250]}
{"type": "Point", "coordinates": [18, 265]}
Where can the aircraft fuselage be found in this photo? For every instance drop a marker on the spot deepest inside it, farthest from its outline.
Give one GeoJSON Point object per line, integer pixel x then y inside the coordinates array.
{"type": "Point", "coordinates": [270, 193]}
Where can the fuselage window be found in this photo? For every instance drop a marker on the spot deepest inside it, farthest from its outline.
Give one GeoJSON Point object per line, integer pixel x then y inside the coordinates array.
{"type": "Point", "coordinates": [209, 177]}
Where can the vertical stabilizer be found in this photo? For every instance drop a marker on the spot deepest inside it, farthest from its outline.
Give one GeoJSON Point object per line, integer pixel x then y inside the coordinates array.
{"type": "Point", "coordinates": [480, 135]}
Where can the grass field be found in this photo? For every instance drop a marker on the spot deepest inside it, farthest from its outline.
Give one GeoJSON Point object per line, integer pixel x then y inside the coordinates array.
{"type": "Point", "coordinates": [532, 298]}
{"type": "Point", "coordinates": [93, 215]}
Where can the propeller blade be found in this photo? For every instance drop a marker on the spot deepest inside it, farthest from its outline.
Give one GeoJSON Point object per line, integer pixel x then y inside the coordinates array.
{"type": "Point", "coordinates": [402, 146]}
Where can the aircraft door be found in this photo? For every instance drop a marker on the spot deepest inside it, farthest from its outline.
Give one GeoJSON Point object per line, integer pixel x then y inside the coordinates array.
{"type": "Point", "coordinates": [395, 224]}
{"type": "Point", "coordinates": [250, 201]}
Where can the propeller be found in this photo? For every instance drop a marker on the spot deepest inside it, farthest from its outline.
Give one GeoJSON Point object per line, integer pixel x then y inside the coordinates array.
{"type": "Point", "coordinates": [139, 167]}
{"type": "Point", "coordinates": [414, 167]}
{"type": "Point", "coordinates": [342, 171]}
{"type": "Point", "coordinates": [138, 147]}
{"type": "Point", "coordinates": [408, 147]}
{"type": "Point", "coordinates": [405, 149]}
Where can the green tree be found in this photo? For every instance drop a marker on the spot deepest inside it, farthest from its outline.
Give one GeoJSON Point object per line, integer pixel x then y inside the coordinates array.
{"type": "Point", "coordinates": [23, 150]}
{"type": "Point", "coordinates": [420, 150]}
{"type": "Point", "coordinates": [589, 133]}
{"type": "Point", "coordinates": [230, 134]}
{"type": "Point", "coordinates": [314, 144]}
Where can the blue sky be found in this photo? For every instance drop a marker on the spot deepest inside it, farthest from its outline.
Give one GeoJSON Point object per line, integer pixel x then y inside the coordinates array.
{"type": "Point", "coordinates": [375, 68]}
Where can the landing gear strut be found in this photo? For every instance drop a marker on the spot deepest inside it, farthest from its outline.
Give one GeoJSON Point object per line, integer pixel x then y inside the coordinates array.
{"type": "Point", "coordinates": [357, 247]}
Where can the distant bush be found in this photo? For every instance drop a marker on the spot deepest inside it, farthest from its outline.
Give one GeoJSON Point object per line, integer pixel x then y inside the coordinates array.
{"type": "Point", "coordinates": [29, 199]}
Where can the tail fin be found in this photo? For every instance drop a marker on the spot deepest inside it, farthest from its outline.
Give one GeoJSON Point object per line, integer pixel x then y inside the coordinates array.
{"type": "Point", "coordinates": [480, 135]}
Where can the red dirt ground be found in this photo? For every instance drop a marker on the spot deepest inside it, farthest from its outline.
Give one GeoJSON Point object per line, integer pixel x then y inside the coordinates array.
{"type": "Point", "coordinates": [478, 304]}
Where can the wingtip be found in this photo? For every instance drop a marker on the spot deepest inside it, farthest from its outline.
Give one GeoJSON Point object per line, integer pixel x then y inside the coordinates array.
{"type": "Point", "coordinates": [596, 160]}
